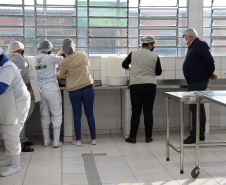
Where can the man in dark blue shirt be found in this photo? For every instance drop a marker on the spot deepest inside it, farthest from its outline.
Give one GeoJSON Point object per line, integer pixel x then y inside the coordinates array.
{"type": "Point", "coordinates": [198, 68]}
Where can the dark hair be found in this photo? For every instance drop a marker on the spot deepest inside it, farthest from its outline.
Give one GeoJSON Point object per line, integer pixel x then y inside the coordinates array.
{"type": "Point", "coordinates": [146, 44]}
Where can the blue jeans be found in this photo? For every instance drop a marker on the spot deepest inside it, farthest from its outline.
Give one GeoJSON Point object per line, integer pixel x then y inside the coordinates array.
{"type": "Point", "coordinates": [85, 96]}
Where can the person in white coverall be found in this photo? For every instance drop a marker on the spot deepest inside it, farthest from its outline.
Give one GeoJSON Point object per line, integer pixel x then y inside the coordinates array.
{"type": "Point", "coordinates": [15, 103]}
{"type": "Point", "coordinates": [51, 101]}
{"type": "Point", "coordinates": [15, 53]}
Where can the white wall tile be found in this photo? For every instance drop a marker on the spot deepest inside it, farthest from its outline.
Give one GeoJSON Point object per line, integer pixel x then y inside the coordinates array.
{"type": "Point", "coordinates": [179, 75]}
{"type": "Point", "coordinates": [111, 99]}
{"type": "Point", "coordinates": [91, 67]}
{"type": "Point", "coordinates": [100, 123]}
{"type": "Point", "coordinates": [97, 63]}
{"type": "Point", "coordinates": [217, 62]}
{"type": "Point", "coordinates": [223, 121]}
{"type": "Point", "coordinates": [97, 75]}
{"type": "Point", "coordinates": [168, 64]}
{"type": "Point", "coordinates": [68, 116]}
{"type": "Point", "coordinates": [214, 120]}
{"type": "Point", "coordinates": [99, 91]}
{"type": "Point", "coordinates": [223, 64]}
{"type": "Point", "coordinates": [169, 74]}
{"type": "Point", "coordinates": [111, 91]}
{"type": "Point", "coordinates": [223, 73]}
{"type": "Point", "coordinates": [111, 123]}
{"type": "Point", "coordinates": [179, 64]}
{"type": "Point", "coordinates": [111, 112]}
{"type": "Point", "coordinates": [99, 100]}
{"type": "Point", "coordinates": [68, 131]}
{"type": "Point", "coordinates": [67, 104]}
{"type": "Point", "coordinates": [99, 112]}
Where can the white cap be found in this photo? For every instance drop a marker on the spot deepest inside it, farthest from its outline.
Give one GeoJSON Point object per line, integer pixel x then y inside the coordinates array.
{"type": "Point", "coordinates": [0, 51]}
{"type": "Point", "coordinates": [147, 40]}
{"type": "Point", "coordinates": [14, 46]}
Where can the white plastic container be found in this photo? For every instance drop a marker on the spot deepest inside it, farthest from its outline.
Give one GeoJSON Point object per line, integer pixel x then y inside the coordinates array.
{"type": "Point", "coordinates": [117, 79]}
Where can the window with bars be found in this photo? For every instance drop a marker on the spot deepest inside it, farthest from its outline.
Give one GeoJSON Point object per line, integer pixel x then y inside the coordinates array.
{"type": "Point", "coordinates": [98, 27]}
{"type": "Point", "coordinates": [214, 26]}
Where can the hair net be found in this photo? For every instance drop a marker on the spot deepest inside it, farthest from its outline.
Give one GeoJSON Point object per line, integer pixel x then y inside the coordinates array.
{"type": "Point", "coordinates": [14, 46]}
{"type": "Point", "coordinates": [147, 40]}
{"type": "Point", "coordinates": [45, 45]}
{"type": "Point", "coordinates": [191, 31]}
{"type": "Point", "coordinates": [68, 46]}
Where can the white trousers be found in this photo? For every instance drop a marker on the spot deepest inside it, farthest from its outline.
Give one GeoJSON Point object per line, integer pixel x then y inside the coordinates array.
{"type": "Point", "coordinates": [23, 137]}
{"type": "Point", "coordinates": [51, 103]}
{"type": "Point", "coordinates": [11, 133]}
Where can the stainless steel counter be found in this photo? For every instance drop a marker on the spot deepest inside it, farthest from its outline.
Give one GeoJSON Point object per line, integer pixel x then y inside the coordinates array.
{"type": "Point", "coordinates": [174, 83]}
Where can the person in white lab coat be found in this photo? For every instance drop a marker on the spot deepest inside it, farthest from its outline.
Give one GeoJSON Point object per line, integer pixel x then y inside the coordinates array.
{"type": "Point", "coordinates": [15, 53]}
{"type": "Point", "coordinates": [51, 101]}
{"type": "Point", "coordinates": [15, 103]}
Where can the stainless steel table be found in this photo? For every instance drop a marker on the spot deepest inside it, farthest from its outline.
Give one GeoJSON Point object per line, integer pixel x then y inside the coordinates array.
{"type": "Point", "coordinates": [218, 97]}
{"type": "Point", "coordinates": [182, 99]}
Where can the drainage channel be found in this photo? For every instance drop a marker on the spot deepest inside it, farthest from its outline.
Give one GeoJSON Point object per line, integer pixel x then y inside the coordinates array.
{"type": "Point", "coordinates": [91, 169]}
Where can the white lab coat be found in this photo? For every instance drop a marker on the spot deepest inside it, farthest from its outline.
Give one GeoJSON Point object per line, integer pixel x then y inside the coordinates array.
{"type": "Point", "coordinates": [51, 101]}
{"type": "Point", "coordinates": [12, 121]}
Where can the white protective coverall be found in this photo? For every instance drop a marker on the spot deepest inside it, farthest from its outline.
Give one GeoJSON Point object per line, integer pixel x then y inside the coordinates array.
{"type": "Point", "coordinates": [14, 107]}
{"type": "Point", "coordinates": [51, 101]}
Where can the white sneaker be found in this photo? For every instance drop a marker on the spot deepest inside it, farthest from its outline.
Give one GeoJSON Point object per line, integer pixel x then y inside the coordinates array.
{"type": "Point", "coordinates": [76, 143]}
{"type": "Point", "coordinates": [93, 142]}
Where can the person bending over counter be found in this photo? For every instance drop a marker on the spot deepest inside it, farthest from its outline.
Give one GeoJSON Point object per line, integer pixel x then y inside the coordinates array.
{"type": "Point", "coordinates": [80, 84]}
{"type": "Point", "coordinates": [145, 65]}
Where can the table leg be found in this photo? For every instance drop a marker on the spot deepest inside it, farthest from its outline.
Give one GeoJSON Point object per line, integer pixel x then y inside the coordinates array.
{"type": "Point", "coordinates": [181, 139]}
{"type": "Point", "coordinates": [167, 129]}
{"type": "Point", "coordinates": [196, 171]}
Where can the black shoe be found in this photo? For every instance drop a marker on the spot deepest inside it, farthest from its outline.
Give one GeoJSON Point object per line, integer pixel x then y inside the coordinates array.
{"type": "Point", "coordinates": [202, 138]}
{"type": "Point", "coordinates": [28, 143]}
{"type": "Point", "coordinates": [27, 149]}
{"type": "Point", "coordinates": [189, 140]}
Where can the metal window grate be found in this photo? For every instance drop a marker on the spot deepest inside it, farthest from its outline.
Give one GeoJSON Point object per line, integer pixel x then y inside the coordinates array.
{"type": "Point", "coordinates": [121, 22]}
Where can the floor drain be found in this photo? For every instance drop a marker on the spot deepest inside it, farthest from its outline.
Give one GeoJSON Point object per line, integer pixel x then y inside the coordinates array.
{"type": "Point", "coordinates": [91, 169]}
